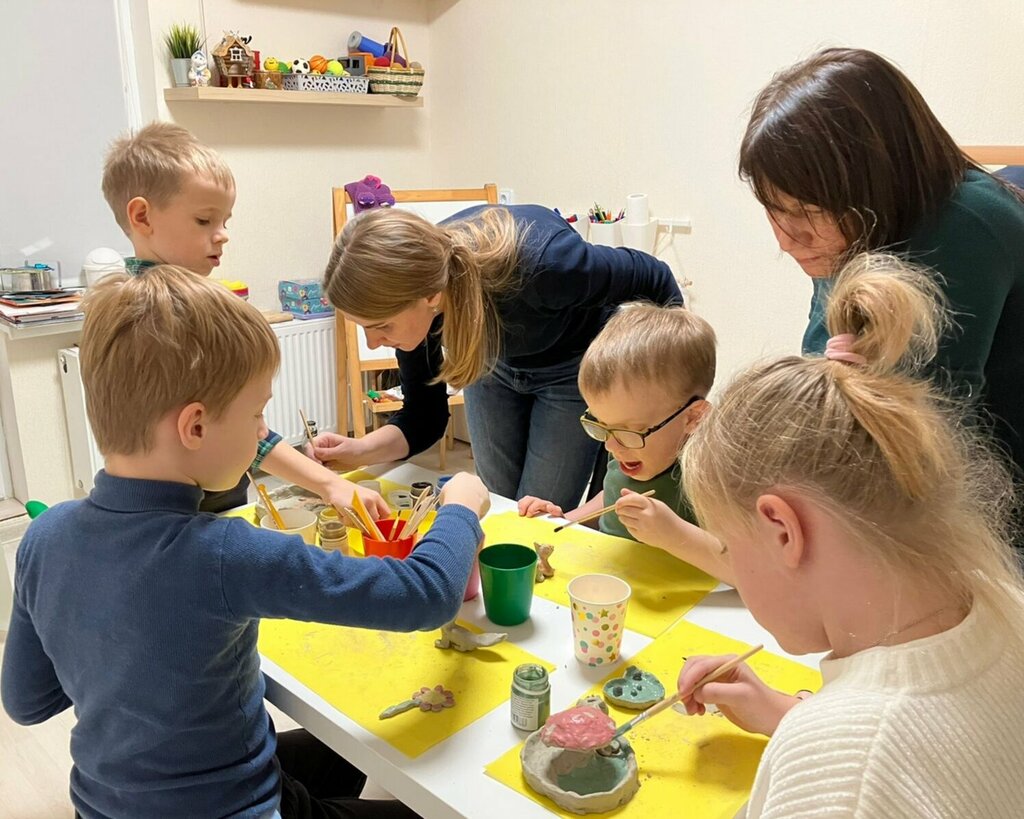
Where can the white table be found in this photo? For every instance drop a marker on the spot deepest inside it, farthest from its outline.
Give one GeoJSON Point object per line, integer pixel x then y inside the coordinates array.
{"type": "Point", "coordinates": [448, 780]}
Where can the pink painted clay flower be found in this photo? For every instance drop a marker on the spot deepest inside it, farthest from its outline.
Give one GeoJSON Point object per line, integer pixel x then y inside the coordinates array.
{"type": "Point", "coordinates": [434, 699]}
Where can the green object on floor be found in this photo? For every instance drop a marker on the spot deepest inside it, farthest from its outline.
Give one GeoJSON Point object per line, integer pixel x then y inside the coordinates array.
{"type": "Point", "coordinates": [35, 508]}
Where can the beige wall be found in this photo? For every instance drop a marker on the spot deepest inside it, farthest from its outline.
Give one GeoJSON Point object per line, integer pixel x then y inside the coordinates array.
{"type": "Point", "coordinates": [591, 99]}
{"type": "Point", "coordinates": [565, 102]}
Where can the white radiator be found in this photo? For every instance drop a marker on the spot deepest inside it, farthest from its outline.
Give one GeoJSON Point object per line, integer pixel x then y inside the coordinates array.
{"type": "Point", "coordinates": [304, 381]}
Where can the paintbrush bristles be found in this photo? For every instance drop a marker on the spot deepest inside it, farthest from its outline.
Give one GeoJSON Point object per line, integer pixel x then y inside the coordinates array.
{"type": "Point", "coordinates": [598, 513]}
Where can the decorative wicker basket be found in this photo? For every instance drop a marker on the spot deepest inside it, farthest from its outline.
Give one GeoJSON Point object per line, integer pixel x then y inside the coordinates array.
{"type": "Point", "coordinates": [326, 82]}
{"type": "Point", "coordinates": [394, 79]}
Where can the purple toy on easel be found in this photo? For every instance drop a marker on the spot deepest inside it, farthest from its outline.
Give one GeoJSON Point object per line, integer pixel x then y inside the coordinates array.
{"type": "Point", "coordinates": [369, 193]}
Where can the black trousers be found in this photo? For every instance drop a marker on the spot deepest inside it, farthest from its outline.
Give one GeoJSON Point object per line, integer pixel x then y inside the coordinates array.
{"type": "Point", "coordinates": [317, 783]}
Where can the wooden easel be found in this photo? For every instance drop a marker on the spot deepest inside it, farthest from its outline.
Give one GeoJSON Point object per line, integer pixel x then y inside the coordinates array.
{"type": "Point", "coordinates": [359, 367]}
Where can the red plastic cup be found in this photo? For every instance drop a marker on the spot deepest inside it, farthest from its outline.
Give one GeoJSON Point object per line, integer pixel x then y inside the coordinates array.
{"type": "Point", "coordinates": [400, 548]}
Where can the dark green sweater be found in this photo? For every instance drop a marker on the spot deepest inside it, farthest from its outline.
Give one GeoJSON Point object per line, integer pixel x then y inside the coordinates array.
{"type": "Point", "coordinates": [976, 243]}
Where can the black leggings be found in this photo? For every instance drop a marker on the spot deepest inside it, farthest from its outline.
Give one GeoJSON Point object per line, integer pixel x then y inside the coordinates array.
{"type": "Point", "coordinates": [317, 783]}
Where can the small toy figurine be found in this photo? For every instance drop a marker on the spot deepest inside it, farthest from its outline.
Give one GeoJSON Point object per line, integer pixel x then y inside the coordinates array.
{"type": "Point", "coordinates": [544, 568]}
{"type": "Point", "coordinates": [368, 193]}
{"type": "Point", "coordinates": [462, 639]}
{"type": "Point", "coordinates": [199, 73]}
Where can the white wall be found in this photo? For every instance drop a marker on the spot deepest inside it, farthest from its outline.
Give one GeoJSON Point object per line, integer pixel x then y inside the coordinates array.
{"type": "Point", "coordinates": [592, 99]}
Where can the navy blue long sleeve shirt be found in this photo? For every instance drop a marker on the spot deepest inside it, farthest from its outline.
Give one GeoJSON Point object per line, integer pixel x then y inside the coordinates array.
{"type": "Point", "coordinates": [143, 613]}
{"type": "Point", "coordinates": [567, 289]}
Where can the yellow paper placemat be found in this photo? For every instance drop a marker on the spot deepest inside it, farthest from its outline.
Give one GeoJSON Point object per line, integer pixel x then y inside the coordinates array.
{"type": "Point", "coordinates": [361, 672]}
{"type": "Point", "coordinates": [664, 588]}
{"type": "Point", "coordinates": [689, 766]}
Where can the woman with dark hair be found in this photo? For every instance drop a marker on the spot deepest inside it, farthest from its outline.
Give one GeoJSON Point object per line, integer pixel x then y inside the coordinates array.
{"type": "Point", "coordinates": [846, 157]}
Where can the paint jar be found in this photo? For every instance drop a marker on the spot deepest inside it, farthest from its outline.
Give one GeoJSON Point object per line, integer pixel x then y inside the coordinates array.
{"type": "Point", "coordinates": [332, 531]}
{"type": "Point", "coordinates": [420, 488]}
{"type": "Point", "coordinates": [531, 697]}
{"type": "Point", "coordinates": [442, 481]}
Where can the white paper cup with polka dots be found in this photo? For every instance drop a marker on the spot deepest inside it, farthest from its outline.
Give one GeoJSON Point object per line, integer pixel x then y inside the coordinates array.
{"type": "Point", "coordinates": [597, 603]}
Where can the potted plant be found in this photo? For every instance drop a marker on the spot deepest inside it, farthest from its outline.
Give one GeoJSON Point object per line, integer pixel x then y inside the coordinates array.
{"type": "Point", "coordinates": [182, 41]}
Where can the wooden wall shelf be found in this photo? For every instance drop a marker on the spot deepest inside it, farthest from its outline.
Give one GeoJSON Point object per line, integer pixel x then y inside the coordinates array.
{"type": "Point", "coordinates": [262, 95]}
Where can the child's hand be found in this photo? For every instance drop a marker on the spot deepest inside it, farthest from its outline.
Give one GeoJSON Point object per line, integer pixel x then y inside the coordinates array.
{"type": "Point", "coordinates": [341, 491]}
{"type": "Point", "coordinates": [648, 520]}
{"type": "Point", "coordinates": [469, 491]}
{"type": "Point", "coordinates": [740, 695]}
{"type": "Point", "coordinates": [336, 451]}
{"type": "Point", "coordinates": [530, 507]}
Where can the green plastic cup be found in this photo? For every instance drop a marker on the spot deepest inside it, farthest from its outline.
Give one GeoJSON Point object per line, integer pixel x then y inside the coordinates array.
{"type": "Point", "coordinates": [507, 575]}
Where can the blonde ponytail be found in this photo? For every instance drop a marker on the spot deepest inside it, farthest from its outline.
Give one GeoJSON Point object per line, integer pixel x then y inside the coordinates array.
{"type": "Point", "coordinates": [383, 261]}
{"type": "Point", "coordinates": [891, 459]}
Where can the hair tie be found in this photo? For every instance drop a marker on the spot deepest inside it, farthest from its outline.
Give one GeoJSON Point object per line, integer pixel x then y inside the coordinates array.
{"type": "Point", "coordinates": [840, 348]}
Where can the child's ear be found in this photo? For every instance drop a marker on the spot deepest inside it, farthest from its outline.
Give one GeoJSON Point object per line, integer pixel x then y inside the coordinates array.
{"type": "Point", "coordinates": [782, 528]}
{"type": "Point", "coordinates": [138, 215]}
{"type": "Point", "coordinates": [191, 425]}
{"type": "Point", "coordinates": [696, 413]}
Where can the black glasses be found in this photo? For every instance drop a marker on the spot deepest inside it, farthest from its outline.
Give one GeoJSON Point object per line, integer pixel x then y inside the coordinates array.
{"type": "Point", "coordinates": [628, 438]}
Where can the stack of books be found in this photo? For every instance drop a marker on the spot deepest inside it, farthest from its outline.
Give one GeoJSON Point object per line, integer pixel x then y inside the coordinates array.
{"type": "Point", "coordinates": [40, 307]}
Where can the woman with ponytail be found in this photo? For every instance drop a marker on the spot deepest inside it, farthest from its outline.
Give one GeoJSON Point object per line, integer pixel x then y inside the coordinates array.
{"type": "Point", "coordinates": [860, 516]}
{"type": "Point", "coordinates": [500, 301]}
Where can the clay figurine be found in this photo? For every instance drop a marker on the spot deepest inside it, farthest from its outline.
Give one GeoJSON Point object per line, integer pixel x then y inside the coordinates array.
{"type": "Point", "coordinates": [199, 73]}
{"type": "Point", "coordinates": [368, 193]}
{"type": "Point", "coordinates": [462, 639]}
{"type": "Point", "coordinates": [544, 569]}
{"type": "Point", "coordinates": [597, 780]}
{"type": "Point", "coordinates": [426, 699]}
{"type": "Point", "coordinates": [636, 690]}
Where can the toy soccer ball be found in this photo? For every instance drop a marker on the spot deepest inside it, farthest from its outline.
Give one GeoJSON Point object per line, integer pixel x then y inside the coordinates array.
{"type": "Point", "coordinates": [300, 66]}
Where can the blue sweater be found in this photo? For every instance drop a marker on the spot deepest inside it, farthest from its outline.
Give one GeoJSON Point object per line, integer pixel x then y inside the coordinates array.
{"type": "Point", "coordinates": [143, 614]}
{"type": "Point", "coordinates": [567, 289]}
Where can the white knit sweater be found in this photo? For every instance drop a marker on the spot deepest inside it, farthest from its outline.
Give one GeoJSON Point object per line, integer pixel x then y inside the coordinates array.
{"type": "Point", "coordinates": [931, 728]}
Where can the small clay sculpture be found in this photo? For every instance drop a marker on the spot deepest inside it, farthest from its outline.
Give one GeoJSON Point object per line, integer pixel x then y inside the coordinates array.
{"type": "Point", "coordinates": [636, 689]}
{"type": "Point", "coordinates": [426, 699]}
{"type": "Point", "coordinates": [544, 569]}
{"type": "Point", "coordinates": [462, 639]}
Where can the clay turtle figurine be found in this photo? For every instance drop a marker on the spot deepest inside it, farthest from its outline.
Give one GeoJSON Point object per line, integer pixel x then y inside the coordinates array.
{"type": "Point", "coordinates": [462, 639]}
{"type": "Point", "coordinates": [544, 568]}
{"type": "Point", "coordinates": [636, 690]}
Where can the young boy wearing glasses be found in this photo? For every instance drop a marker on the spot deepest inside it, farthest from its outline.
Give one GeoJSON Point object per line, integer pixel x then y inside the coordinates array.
{"type": "Point", "coordinates": [644, 378]}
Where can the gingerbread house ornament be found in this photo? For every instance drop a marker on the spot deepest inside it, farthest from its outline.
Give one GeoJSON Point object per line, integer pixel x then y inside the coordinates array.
{"type": "Point", "coordinates": [234, 60]}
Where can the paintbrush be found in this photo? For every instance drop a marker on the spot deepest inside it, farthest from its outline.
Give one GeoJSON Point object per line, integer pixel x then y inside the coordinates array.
{"type": "Point", "coordinates": [364, 517]}
{"type": "Point", "coordinates": [597, 514]}
{"type": "Point", "coordinates": [711, 676]}
{"type": "Point", "coordinates": [265, 497]}
{"type": "Point", "coordinates": [305, 428]}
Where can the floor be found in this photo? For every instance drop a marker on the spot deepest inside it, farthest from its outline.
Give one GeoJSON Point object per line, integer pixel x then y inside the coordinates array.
{"type": "Point", "coordinates": [35, 761]}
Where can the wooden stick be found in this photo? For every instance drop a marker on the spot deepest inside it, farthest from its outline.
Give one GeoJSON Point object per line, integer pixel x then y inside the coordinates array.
{"type": "Point", "coordinates": [419, 517]}
{"type": "Point", "coordinates": [350, 520]}
{"type": "Point", "coordinates": [711, 676]}
{"type": "Point", "coordinates": [597, 514]}
{"type": "Point", "coordinates": [305, 428]}
{"type": "Point", "coordinates": [265, 497]}
{"type": "Point", "coordinates": [395, 533]}
{"type": "Point", "coordinates": [364, 517]}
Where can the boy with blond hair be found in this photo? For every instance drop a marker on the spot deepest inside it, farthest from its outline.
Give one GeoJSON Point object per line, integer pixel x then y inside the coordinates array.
{"type": "Point", "coordinates": [645, 378]}
{"type": "Point", "coordinates": [143, 613]}
{"type": "Point", "coordinates": [172, 196]}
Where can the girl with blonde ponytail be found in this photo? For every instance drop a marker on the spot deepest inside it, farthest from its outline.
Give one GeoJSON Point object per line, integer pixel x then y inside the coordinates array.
{"type": "Point", "coordinates": [501, 301]}
{"type": "Point", "coordinates": [861, 516]}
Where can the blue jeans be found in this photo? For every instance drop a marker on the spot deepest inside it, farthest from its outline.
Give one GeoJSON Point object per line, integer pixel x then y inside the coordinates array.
{"type": "Point", "coordinates": [525, 429]}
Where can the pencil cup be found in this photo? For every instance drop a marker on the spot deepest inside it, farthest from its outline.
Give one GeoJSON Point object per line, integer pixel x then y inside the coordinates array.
{"type": "Point", "coordinates": [296, 522]}
{"type": "Point", "coordinates": [640, 237]}
{"type": "Point", "coordinates": [507, 575]}
{"type": "Point", "coordinates": [400, 548]}
{"type": "Point", "coordinates": [606, 233]}
{"type": "Point", "coordinates": [580, 226]}
{"type": "Point", "coordinates": [598, 608]}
